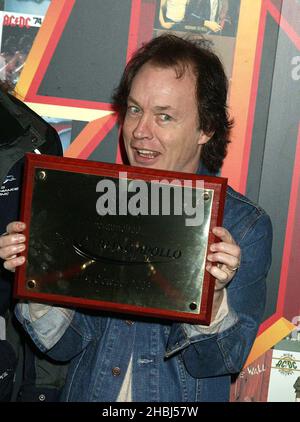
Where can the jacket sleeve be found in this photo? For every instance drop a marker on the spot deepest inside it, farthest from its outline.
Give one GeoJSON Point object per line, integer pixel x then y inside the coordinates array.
{"type": "Point", "coordinates": [225, 352]}
{"type": "Point", "coordinates": [61, 333]}
{"type": "Point", "coordinates": [52, 145]}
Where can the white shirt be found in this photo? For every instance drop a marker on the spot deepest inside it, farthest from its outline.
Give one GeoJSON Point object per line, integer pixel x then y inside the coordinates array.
{"type": "Point", "coordinates": [213, 9]}
{"type": "Point", "coordinates": [176, 10]}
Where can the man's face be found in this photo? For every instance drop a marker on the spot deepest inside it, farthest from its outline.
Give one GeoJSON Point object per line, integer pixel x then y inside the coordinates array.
{"type": "Point", "coordinates": [160, 129]}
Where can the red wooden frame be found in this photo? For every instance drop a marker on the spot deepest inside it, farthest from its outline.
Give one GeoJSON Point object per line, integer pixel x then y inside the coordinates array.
{"type": "Point", "coordinates": [37, 162]}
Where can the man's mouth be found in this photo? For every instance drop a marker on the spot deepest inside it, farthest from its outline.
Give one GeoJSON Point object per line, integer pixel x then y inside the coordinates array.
{"type": "Point", "coordinates": [145, 153]}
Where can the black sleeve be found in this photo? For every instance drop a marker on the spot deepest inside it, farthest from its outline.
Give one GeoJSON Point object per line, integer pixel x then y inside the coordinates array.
{"type": "Point", "coordinates": [52, 146]}
{"type": "Point", "coordinates": [9, 205]}
{"type": "Point", "coordinates": [7, 370]}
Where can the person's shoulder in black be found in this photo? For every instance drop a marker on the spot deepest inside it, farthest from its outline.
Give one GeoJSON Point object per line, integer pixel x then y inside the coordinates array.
{"type": "Point", "coordinates": [52, 145]}
{"type": "Point", "coordinates": [22, 130]}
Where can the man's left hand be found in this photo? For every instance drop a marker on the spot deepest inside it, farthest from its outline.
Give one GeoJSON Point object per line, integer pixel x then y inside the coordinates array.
{"type": "Point", "coordinates": [227, 257]}
{"type": "Point", "coordinates": [224, 260]}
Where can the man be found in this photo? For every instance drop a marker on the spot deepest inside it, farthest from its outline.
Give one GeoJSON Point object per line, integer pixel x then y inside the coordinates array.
{"type": "Point", "coordinates": [171, 12]}
{"type": "Point", "coordinates": [297, 389]}
{"type": "Point", "coordinates": [209, 14]}
{"type": "Point", "coordinates": [171, 103]}
{"type": "Point", "coordinates": [186, 14]}
{"type": "Point", "coordinates": [36, 378]}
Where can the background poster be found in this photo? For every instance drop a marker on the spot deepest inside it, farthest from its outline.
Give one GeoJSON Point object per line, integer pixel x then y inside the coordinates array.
{"type": "Point", "coordinates": [18, 31]}
{"type": "Point", "coordinates": [274, 376]}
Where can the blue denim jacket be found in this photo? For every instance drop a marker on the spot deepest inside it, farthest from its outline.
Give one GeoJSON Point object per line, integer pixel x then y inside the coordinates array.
{"type": "Point", "coordinates": [170, 361]}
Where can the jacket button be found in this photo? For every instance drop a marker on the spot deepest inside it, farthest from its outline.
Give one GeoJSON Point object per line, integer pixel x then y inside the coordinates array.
{"type": "Point", "coordinates": [128, 322]}
{"type": "Point", "coordinates": [116, 371]}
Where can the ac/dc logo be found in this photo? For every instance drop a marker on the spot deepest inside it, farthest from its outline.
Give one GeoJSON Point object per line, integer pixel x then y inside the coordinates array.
{"type": "Point", "coordinates": [287, 364]}
{"type": "Point", "coordinates": [21, 21]}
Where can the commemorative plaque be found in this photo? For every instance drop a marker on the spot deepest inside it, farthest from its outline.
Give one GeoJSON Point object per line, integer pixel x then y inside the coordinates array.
{"type": "Point", "coordinates": [119, 238]}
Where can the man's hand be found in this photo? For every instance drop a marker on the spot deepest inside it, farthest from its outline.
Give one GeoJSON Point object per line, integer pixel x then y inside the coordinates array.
{"type": "Point", "coordinates": [213, 26]}
{"type": "Point", "coordinates": [227, 257]}
{"type": "Point", "coordinates": [167, 25]}
{"type": "Point", "coordinates": [11, 244]}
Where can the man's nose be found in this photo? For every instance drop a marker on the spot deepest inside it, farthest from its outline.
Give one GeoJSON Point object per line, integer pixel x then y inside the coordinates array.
{"type": "Point", "coordinates": [143, 129]}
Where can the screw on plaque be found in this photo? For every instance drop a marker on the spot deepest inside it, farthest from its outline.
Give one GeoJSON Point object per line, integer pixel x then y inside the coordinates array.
{"type": "Point", "coordinates": [31, 284]}
{"type": "Point", "coordinates": [206, 196]}
{"type": "Point", "coordinates": [193, 306]}
{"type": "Point", "coordinates": [42, 175]}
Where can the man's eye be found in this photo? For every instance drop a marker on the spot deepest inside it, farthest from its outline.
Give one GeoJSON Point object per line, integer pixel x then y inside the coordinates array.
{"type": "Point", "coordinates": [165, 117]}
{"type": "Point", "coordinates": [133, 109]}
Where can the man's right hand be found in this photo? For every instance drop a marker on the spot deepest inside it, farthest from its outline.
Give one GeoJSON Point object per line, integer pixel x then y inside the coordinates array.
{"type": "Point", "coordinates": [12, 243]}
{"type": "Point", "coordinates": [213, 26]}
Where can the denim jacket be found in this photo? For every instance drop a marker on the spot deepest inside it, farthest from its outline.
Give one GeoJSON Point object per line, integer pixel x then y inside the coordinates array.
{"type": "Point", "coordinates": [171, 362]}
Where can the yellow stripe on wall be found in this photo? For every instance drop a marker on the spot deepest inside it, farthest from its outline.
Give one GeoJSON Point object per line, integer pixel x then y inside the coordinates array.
{"type": "Point", "coordinates": [70, 113]}
{"type": "Point", "coordinates": [38, 48]}
{"type": "Point", "coordinates": [271, 336]}
{"type": "Point", "coordinates": [240, 90]}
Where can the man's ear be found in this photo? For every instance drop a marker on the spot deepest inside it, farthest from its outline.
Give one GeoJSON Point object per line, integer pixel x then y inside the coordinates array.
{"type": "Point", "coordinates": [204, 137]}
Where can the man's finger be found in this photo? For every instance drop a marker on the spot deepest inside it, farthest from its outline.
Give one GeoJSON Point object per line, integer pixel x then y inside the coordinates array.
{"type": "Point", "coordinates": [11, 251]}
{"type": "Point", "coordinates": [13, 263]}
{"type": "Point", "coordinates": [11, 240]}
{"type": "Point", "coordinates": [230, 261]}
{"type": "Point", "coordinates": [227, 248]}
{"type": "Point", "coordinates": [15, 227]}
{"type": "Point", "coordinates": [223, 234]}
